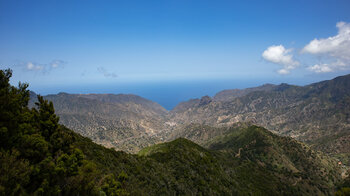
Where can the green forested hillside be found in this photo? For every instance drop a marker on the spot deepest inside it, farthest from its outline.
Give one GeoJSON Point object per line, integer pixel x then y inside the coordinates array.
{"type": "Point", "coordinates": [255, 161]}
{"type": "Point", "coordinates": [38, 156]}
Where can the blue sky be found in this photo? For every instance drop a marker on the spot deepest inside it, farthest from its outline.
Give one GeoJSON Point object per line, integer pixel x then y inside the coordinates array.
{"type": "Point", "coordinates": [55, 44]}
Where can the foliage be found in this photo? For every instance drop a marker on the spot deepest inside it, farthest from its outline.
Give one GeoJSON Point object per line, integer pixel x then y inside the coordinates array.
{"type": "Point", "coordinates": [343, 192]}
{"type": "Point", "coordinates": [37, 155]}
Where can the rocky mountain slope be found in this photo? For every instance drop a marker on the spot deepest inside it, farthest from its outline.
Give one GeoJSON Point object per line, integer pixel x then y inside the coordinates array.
{"type": "Point", "coordinates": [227, 95]}
{"type": "Point", "coordinates": [126, 122]}
{"type": "Point", "coordinates": [318, 114]}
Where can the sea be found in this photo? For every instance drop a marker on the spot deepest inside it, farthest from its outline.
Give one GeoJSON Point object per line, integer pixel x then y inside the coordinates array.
{"type": "Point", "coordinates": [167, 93]}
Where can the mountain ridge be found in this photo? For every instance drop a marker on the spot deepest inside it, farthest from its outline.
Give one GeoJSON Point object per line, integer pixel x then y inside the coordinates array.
{"type": "Point", "coordinates": [307, 113]}
{"type": "Point", "coordinates": [316, 114]}
{"type": "Point", "coordinates": [126, 121]}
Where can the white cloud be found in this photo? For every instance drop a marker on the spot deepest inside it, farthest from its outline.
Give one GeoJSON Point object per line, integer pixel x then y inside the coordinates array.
{"type": "Point", "coordinates": [32, 67]}
{"type": "Point", "coordinates": [57, 63]}
{"type": "Point", "coordinates": [322, 68]}
{"type": "Point", "coordinates": [335, 49]}
{"type": "Point", "coordinates": [283, 71]}
{"type": "Point", "coordinates": [281, 56]}
{"type": "Point", "coordinates": [44, 68]}
{"type": "Point", "coordinates": [106, 73]}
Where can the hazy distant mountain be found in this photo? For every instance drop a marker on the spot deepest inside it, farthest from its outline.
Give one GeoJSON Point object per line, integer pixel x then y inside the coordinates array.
{"type": "Point", "coordinates": [227, 95]}
{"type": "Point", "coordinates": [126, 122]}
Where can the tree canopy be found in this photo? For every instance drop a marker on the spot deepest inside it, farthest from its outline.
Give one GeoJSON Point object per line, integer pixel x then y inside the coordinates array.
{"type": "Point", "coordinates": [36, 153]}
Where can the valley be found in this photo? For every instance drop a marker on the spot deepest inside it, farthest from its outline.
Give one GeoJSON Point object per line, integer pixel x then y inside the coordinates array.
{"type": "Point", "coordinates": [178, 98]}
{"type": "Point", "coordinates": [317, 114]}
{"type": "Point", "coordinates": [177, 156]}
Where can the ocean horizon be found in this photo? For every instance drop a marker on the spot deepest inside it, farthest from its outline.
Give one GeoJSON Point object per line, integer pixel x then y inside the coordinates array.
{"type": "Point", "coordinates": [168, 94]}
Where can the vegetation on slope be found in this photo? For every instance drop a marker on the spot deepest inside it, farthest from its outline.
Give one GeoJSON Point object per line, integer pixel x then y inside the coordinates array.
{"type": "Point", "coordinates": [37, 155]}
{"type": "Point", "coordinates": [300, 165]}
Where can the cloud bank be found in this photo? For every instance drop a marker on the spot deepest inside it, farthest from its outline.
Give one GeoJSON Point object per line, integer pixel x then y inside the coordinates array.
{"type": "Point", "coordinates": [281, 56]}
